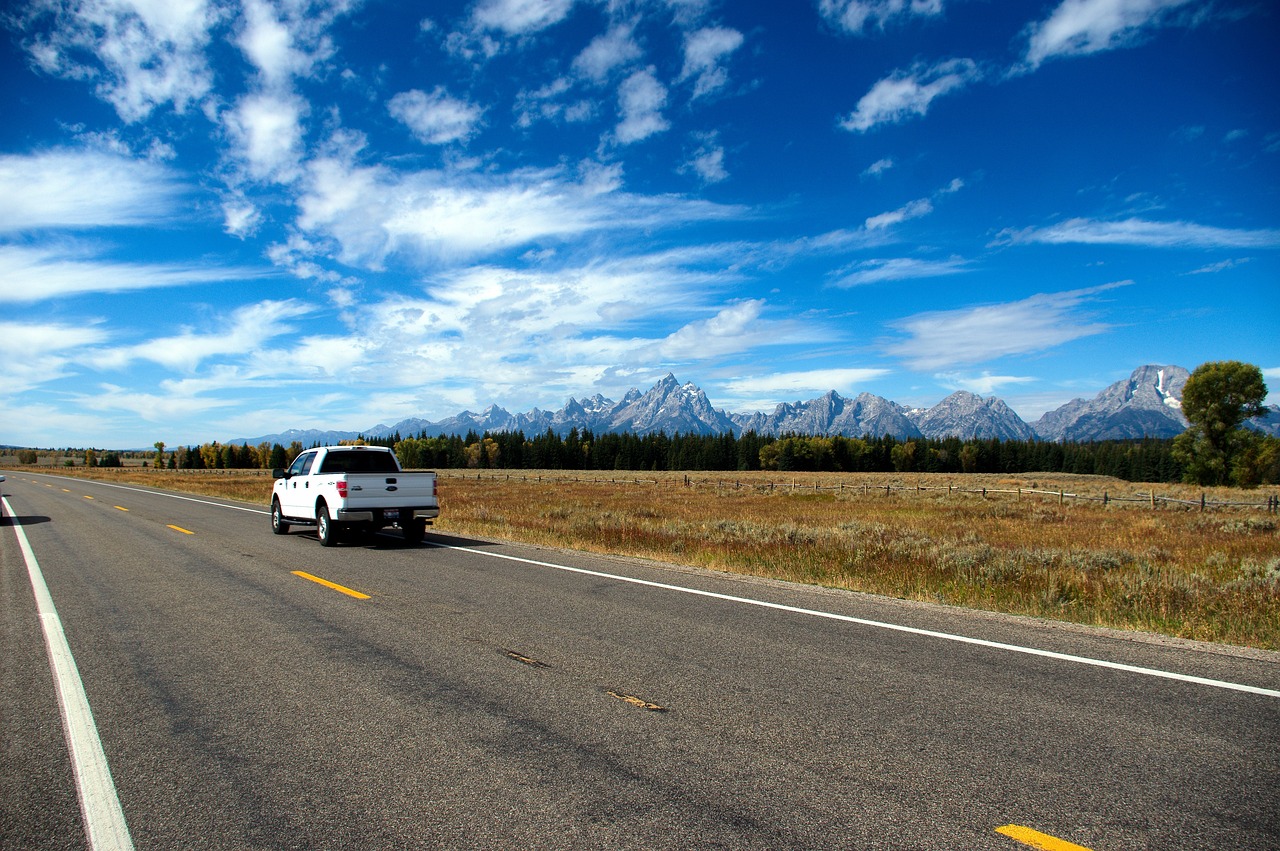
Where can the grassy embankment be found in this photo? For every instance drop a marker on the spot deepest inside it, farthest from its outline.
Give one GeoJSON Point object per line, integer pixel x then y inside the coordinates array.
{"type": "Point", "coordinates": [1212, 576]}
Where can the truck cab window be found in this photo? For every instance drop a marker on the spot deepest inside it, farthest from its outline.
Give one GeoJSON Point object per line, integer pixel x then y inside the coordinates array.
{"type": "Point", "coordinates": [302, 464]}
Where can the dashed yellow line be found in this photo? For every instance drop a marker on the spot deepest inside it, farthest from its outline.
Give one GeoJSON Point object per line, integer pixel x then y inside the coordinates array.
{"type": "Point", "coordinates": [121, 508]}
{"type": "Point", "coordinates": [180, 529]}
{"type": "Point", "coordinates": [336, 587]}
{"type": "Point", "coordinates": [1036, 839]}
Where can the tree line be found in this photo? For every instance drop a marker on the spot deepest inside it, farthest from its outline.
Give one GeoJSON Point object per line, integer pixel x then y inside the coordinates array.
{"type": "Point", "coordinates": [1144, 460]}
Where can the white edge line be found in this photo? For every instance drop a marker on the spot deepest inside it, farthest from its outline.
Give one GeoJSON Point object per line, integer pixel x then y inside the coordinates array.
{"type": "Point", "coordinates": [946, 636]}
{"type": "Point", "coordinates": [104, 822]}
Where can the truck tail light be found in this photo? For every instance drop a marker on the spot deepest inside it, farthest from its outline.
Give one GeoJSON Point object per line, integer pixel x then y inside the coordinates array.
{"type": "Point", "coordinates": [342, 489]}
{"type": "Point", "coordinates": [434, 485]}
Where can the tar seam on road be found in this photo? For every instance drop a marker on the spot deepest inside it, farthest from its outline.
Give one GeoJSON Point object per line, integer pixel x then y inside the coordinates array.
{"type": "Point", "coordinates": [946, 636]}
{"type": "Point", "coordinates": [104, 822]}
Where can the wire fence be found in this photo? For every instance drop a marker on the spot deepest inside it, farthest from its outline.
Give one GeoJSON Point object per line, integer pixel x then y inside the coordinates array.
{"type": "Point", "coordinates": [1151, 499]}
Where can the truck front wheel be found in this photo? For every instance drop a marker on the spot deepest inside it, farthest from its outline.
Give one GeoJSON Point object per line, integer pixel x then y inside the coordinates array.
{"type": "Point", "coordinates": [278, 524]}
{"type": "Point", "coordinates": [325, 527]}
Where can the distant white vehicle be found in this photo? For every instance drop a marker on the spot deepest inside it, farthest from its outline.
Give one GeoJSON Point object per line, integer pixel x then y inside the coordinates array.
{"type": "Point", "coordinates": [352, 488]}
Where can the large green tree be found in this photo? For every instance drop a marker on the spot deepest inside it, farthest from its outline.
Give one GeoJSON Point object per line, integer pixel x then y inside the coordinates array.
{"type": "Point", "coordinates": [1218, 398]}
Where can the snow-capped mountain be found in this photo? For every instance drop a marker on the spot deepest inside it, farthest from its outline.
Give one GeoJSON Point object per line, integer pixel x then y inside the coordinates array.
{"type": "Point", "coordinates": [1147, 404]}
{"type": "Point", "coordinates": [671, 407]}
{"type": "Point", "coordinates": [968, 416]}
{"type": "Point", "coordinates": [833, 414]}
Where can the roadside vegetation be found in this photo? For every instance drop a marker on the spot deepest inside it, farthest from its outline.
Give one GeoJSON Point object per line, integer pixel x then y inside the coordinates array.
{"type": "Point", "coordinates": [1211, 575]}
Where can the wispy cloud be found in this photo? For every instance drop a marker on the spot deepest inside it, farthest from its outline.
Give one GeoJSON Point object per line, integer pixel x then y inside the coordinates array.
{"type": "Point", "coordinates": [909, 94]}
{"type": "Point", "coordinates": [1221, 266]}
{"type": "Point", "coordinates": [914, 210]}
{"type": "Point", "coordinates": [1142, 232]}
{"type": "Point", "coordinates": [806, 383]}
{"type": "Point", "coordinates": [56, 270]}
{"type": "Point", "coordinates": [1080, 27]}
{"type": "Point", "coordinates": [897, 269]}
{"type": "Point", "coordinates": [245, 330]}
{"type": "Point", "coordinates": [446, 216]}
{"type": "Point", "coordinates": [984, 384]}
{"type": "Point", "coordinates": [84, 188]}
{"type": "Point", "coordinates": [939, 340]}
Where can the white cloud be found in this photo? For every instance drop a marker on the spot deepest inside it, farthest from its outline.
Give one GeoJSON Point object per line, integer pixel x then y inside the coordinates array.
{"type": "Point", "coordinates": [616, 48]}
{"type": "Point", "coordinates": [83, 188]}
{"type": "Point", "coordinates": [146, 53]}
{"type": "Point", "coordinates": [640, 101]}
{"type": "Point", "coordinates": [914, 210]}
{"type": "Point", "coordinates": [520, 17]}
{"type": "Point", "coordinates": [704, 51]}
{"type": "Point", "coordinates": [1080, 27]}
{"type": "Point", "coordinates": [267, 131]}
{"type": "Point", "coordinates": [853, 16]}
{"type": "Point", "coordinates": [941, 339]}
{"type": "Point", "coordinates": [906, 94]}
{"type": "Point", "coordinates": [897, 269]}
{"type": "Point", "coordinates": [37, 273]}
{"type": "Point", "coordinates": [240, 217]}
{"type": "Point", "coordinates": [878, 167]}
{"type": "Point", "coordinates": [1141, 232]}
{"type": "Point", "coordinates": [735, 328]}
{"type": "Point", "coordinates": [269, 44]}
{"type": "Point", "coordinates": [436, 118]}
{"type": "Point", "coordinates": [445, 217]}
{"type": "Point", "coordinates": [708, 160]}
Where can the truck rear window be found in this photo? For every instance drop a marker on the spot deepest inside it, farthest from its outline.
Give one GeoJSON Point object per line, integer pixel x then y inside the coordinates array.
{"type": "Point", "coordinates": [359, 462]}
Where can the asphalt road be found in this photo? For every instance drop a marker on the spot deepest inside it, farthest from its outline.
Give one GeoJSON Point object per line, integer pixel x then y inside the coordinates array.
{"type": "Point", "coordinates": [487, 695]}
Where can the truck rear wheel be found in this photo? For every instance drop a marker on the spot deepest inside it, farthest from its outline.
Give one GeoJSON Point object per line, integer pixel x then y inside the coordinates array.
{"type": "Point", "coordinates": [414, 530]}
{"type": "Point", "coordinates": [325, 527]}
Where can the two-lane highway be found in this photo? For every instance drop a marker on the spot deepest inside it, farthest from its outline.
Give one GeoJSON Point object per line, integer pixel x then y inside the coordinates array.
{"type": "Point", "coordinates": [257, 691]}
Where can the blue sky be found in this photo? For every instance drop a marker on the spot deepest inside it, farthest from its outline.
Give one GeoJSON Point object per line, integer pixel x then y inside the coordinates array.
{"type": "Point", "coordinates": [223, 219]}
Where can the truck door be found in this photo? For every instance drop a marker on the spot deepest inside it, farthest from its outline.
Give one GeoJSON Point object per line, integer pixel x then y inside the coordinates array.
{"type": "Point", "coordinates": [297, 498]}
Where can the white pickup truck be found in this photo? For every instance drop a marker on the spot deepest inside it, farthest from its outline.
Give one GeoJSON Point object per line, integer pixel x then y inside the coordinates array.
{"type": "Point", "coordinates": [339, 488]}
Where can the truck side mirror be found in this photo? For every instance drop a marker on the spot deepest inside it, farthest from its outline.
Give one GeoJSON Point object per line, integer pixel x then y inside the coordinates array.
{"type": "Point", "coordinates": [278, 473]}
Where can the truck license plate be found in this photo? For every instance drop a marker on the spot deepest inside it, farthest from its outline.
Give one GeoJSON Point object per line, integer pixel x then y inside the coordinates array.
{"type": "Point", "coordinates": [390, 514]}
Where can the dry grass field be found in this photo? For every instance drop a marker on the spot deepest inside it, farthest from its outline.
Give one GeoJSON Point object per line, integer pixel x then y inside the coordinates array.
{"type": "Point", "coordinates": [1209, 575]}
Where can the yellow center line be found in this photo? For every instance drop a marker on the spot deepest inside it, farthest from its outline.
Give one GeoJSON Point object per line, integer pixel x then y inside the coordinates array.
{"type": "Point", "coordinates": [1036, 839]}
{"type": "Point", "coordinates": [336, 587]}
{"type": "Point", "coordinates": [88, 497]}
{"type": "Point", "coordinates": [180, 529]}
{"type": "Point", "coordinates": [121, 508]}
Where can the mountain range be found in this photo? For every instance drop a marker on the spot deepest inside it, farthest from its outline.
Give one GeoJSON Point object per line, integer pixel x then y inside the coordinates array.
{"type": "Point", "coordinates": [1147, 404]}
